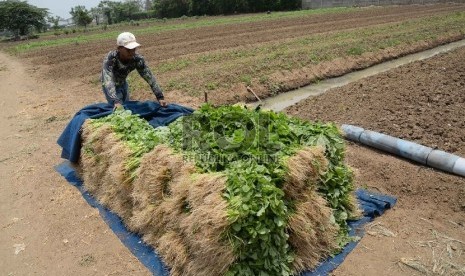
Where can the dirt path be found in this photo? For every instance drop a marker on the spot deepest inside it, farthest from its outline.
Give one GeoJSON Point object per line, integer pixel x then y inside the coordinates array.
{"type": "Point", "coordinates": [46, 227]}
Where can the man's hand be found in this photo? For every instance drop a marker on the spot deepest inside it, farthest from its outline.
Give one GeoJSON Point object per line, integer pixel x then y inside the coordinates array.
{"type": "Point", "coordinates": [163, 103]}
{"type": "Point", "coordinates": [118, 106]}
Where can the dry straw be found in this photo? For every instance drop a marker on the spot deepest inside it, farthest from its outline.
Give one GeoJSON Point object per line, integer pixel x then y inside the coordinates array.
{"type": "Point", "coordinates": [158, 170]}
{"type": "Point", "coordinates": [311, 234]}
{"type": "Point", "coordinates": [303, 172]}
{"type": "Point", "coordinates": [187, 213]}
{"type": "Point", "coordinates": [104, 172]}
{"type": "Point", "coordinates": [181, 213]}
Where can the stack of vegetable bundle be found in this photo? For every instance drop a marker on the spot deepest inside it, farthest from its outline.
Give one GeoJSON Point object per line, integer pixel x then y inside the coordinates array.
{"type": "Point", "coordinates": [226, 191]}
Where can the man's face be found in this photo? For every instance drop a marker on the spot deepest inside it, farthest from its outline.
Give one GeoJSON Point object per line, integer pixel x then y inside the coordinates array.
{"type": "Point", "coordinates": [126, 54]}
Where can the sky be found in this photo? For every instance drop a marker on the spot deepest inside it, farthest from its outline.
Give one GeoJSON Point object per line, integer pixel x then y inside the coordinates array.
{"type": "Point", "coordinates": [62, 8]}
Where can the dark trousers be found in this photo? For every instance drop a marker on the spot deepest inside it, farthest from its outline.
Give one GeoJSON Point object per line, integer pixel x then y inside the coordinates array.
{"type": "Point", "coordinates": [122, 93]}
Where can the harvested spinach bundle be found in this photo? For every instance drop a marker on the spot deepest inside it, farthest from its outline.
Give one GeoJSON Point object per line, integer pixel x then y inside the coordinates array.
{"type": "Point", "coordinates": [233, 191]}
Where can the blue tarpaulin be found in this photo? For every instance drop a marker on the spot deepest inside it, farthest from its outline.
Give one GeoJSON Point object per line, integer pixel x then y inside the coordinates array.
{"type": "Point", "coordinates": [70, 139]}
{"type": "Point", "coordinates": [372, 205]}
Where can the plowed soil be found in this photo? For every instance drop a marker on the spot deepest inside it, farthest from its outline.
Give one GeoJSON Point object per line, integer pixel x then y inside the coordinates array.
{"type": "Point", "coordinates": [46, 227]}
{"type": "Point", "coordinates": [422, 102]}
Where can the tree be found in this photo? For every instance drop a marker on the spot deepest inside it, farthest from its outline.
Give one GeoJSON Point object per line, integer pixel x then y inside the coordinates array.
{"type": "Point", "coordinates": [171, 8]}
{"type": "Point", "coordinates": [19, 17]}
{"type": "Point", "coordinates": [200, 7]}
{"type": "Point", "coordinates": [106, 7]}
{"type": "Point", "coordinates": [115, 12]}
{"type": "Point", "coordinates": [81, 16]}
{"type": "Point", "coordinates": [229, 6]}
{"type": "Point", "coordinates": [177, 8]}
{"type": "Point", "coordinates": [289, 4]}
{"type": "Point", "coordinates": [125, 11]}
{"type": "Point", "coordinates": [54, 20]}
{"type": "Point", "coordinates": [96, 12]}
{"type": "Point", "coordinates": [148, 5]}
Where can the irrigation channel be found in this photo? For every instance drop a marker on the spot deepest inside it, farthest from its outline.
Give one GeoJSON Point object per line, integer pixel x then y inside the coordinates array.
{"type": "Point", "coordinates": [281, 101]}
{"type": "Point", "coordinates": [424, 155]}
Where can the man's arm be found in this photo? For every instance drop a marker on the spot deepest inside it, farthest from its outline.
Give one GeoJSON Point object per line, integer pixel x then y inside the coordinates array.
{"type": "Point", "coordinates": [146, 74]}
{"type": "Point", "coordinates": [107, 79]}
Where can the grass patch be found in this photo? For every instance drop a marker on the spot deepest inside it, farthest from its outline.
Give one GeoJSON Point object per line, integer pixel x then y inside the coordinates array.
{"type": "Point", "coordinates": [355, 51]}
{"type": "Point", "coordinates": [247, 79]}
{"type": "Point", "coordinates": [174, 65]}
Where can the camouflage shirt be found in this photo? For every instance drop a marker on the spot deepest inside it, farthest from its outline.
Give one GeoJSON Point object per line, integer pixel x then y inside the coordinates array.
{"type": "Point", "coordinates": [114, 73]}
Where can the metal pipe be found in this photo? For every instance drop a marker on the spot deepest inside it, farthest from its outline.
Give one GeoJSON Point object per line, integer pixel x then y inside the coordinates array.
{"type": "Point", "coordinates": [437, 159]}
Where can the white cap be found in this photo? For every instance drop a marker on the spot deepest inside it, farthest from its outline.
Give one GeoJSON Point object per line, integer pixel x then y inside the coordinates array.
{"type": "Point", "coordinates": [127, 40]}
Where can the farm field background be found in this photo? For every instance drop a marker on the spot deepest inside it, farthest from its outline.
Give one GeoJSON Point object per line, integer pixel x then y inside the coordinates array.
{"type": "Point", "coordinates": [48, 80]}
{"type": "Point", "coordinates": [272, 54]}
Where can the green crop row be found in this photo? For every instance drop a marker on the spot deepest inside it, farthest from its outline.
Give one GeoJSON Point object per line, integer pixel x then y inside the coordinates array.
{"type": "Point", "coordinates": [196, 73]}
{"type": "Point", "coordinates": [155, 27]}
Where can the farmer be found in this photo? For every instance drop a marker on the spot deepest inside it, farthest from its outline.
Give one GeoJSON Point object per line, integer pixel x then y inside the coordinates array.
{"type": "Point", "coordinates": [118, 64]}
